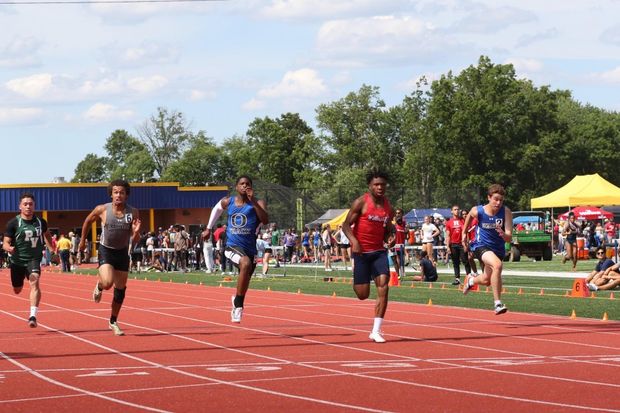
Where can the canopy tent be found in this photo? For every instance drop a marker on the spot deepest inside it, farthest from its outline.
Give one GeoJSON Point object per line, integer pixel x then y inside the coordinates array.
{"type": "Point", "coordinates": [327, 216]}
{"type": "Point", "coordinates": [416, 216]}
{"type": "Point", "coordinates": [587, 213]}
{"type": "Point", "coordinates": [333, 223]}
{"type": "Point", "coordinates": [581, 190]}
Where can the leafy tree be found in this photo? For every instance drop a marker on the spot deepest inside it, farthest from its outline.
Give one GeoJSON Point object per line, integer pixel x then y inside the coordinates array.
{"type": "Point", "coordinates": [91, 169]}
{"type": "Point", "coordinates": [202, 163]}
{"type": "Point", "coordinates": [128, 158]}
{"type": "Point", "coordinates": [165, 135]}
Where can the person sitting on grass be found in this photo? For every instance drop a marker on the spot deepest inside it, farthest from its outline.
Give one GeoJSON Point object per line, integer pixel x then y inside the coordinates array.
{"type": "Point", "coordinates": [428, 270]}
{"type": "Point", "coordinates": [602, 265]}
{"type": "Point", "coordinates": [608, 279]}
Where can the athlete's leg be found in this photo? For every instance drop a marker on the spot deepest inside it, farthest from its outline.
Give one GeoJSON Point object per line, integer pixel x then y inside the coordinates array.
{"type": "Point", "coordinates": [106, 276]}
{"type": "Point", "coordinates": [493, 269]}
{"type": "Point", "coordinates": [381, 282]}
{"type": "Point", "coordinates": [120, 284]}
{"type": "Point", "coordinates": [266, 257]}
{"type": "Point", "coordinates": [35, 291]}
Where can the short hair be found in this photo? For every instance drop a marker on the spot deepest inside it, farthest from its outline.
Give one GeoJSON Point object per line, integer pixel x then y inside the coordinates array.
{"type": "Point", "coordinates": [600, 249]}
{"type": "Point", "coordinates": [571, 214]}
{"type": "Point", "coordinates": [423, 254]}
{"type": "Point", "coordinates": [240, 177]}
{"type": "Point", "coordinates": [376, 172]}
{"type": "Point", "coordinates": [496, 189]}
{"type": "Point", "coordinates": [27, 195]}
{"type": "Point", "coordinates": [119, 182]}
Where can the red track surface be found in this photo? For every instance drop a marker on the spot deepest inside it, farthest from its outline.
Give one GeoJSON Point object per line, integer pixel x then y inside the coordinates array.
{"type": "Point", "coordinates": [293, 353]}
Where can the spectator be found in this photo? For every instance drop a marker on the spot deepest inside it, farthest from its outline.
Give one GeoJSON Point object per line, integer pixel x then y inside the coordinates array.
{"type": "Point", "coordinates": [428, 270]}
{"type": "Point", "coordinates": [63, 249]}
{"type": "Point", "coordinates": [608, 280]}
{"type": "Point", "coordinates": [208, 249]}
{"type": "Point", "coordinates": [181, 246]}
{"type": "Point", "coordinates": [610, 230]}
{"type": "Point", "coordinates": [428, 232]}
{"type": "Point", "coordinates": [326, 238]}
{"type": "Point", "coordinates": [601, 266]}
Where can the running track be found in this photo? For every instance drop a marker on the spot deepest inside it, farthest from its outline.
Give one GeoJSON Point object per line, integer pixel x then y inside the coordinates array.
{"type": "Point", "coordinates": [293, 353]}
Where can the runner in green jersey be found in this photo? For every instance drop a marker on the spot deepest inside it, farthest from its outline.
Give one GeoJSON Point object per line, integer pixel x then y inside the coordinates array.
{"type": "Point", "coordinates": [23, 241]}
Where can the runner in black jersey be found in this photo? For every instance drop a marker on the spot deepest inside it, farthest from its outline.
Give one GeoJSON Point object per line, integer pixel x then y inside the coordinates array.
{"type": "Point", "coordinates": [120, 225]}
{"type": "Point", "coordinates": [23, 241]}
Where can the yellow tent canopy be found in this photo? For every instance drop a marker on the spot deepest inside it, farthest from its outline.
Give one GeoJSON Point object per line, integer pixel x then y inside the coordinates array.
{"type": "Point", "coordinates": [581, 190]}
{"type": "Point", "coordinates": [333, 223]}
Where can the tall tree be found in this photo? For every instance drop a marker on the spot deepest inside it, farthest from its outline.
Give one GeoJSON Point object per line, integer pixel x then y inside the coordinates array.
{"type": "Point", "coordinates": [128, 158]}
{"type": "Point", "coordinates": [165, 135]}
{"type": "Point", "coordinates": [91, 169]}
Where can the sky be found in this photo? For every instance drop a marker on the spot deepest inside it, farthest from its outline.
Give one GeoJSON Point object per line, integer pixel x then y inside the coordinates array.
{"type": "Point", "coordinates": [71, 74]}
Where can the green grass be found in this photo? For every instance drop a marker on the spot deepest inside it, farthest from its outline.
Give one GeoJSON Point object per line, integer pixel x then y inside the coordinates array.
{"type": "Point", "coordinates": [309, 280]}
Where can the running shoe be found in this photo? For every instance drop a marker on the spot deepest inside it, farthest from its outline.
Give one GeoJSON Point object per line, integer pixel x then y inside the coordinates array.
{"type": "Point", "coordinates": [377, 337]}
{"type": "Point", "coordinates": [32, 322]}
{"type": "Point", "coordinates": [97, 293]}
{"type": "Point", "coordinates": [466, 285]}
{"type": "Point", "coordinates": [500, 309]}
{"type": "Point", "coordinates": [116, 329]}
{"type": "Point", "coordinates": [457, 281]}
{"type": "Point", "coordinates": [236, 313]}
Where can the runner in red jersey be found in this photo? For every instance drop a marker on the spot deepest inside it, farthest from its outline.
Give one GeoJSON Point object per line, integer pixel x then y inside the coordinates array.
{"type": "Point", "coordinates": [454, 228]}
{"type": "Point", "coordinates": [368, 226]}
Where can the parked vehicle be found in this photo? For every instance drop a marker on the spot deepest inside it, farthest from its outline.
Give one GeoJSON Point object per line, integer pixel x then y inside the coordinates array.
{"type": "Point", "coordinates": [531, 236]}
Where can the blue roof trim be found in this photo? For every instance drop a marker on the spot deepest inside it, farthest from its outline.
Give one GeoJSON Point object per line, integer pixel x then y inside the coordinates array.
{"type": "Point", "coordinates": [85, 198]}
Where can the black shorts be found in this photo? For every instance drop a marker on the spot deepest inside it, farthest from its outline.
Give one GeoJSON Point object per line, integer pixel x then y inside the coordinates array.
{"type": "Point", "coordinates": [479, 252]}
{"type": "Point", "coordinates": [369, 265]}
{"type": "Point", "coordinates": [268, 251]}
{"type": "Point", "coordinates": [234, 254]}
{"type": "Point", "coordinates": [119, 259]}
{"type": "Point", "coordinates": [19, 272]}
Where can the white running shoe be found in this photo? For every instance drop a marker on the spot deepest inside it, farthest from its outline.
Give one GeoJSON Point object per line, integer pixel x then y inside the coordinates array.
{"type": "Point", "coordinates": [236, 313]}
{"type": "Point", "coordinates": [500, 309]}
{"type": "Point", "coordinates": [116, 329]}
{"type": "Point", "coordinates": [466, 285]}
{"type": "Point", "coordinates": [377, 337]}
{"type": "Point", "coordinates": [97, 293]}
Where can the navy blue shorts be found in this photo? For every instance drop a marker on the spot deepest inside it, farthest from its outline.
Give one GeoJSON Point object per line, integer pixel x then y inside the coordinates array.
{"type": "Point", "coordinates": [369, 265]}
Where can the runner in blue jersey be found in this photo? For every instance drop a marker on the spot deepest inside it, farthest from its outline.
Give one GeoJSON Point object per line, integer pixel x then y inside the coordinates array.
{"type": "Point", "coordinates": [493, 231]}
{"type": "Point", "coordinates": [245, 214]}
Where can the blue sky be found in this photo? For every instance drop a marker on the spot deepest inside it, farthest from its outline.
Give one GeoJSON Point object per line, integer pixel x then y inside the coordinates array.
{"type": "Point", "coordinates": [71, 74]}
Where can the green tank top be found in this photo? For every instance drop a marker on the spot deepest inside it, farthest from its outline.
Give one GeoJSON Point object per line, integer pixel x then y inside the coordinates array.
{"type": "Point", "coordinates": [28, 240]}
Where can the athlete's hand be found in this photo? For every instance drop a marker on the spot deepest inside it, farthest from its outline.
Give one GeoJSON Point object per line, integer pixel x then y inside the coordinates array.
{"type": "Point", "coordinates": [249, 192]}
{"type": "Point", "coordinates": [206, 234]}
{"type": "Point", "coordinates": [135, 225]}
{"type": "Point", "coordinates": [10, 250]}
{"type": "Point", "coordinates": [82, 245]}
{"type": "Point", "coordinates": [355, 246]}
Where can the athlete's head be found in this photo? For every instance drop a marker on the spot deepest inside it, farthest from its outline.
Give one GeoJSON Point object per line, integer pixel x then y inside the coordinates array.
{"type": "Point", "coordinates": [26, 205]}
{"type": "Point", "coordinates": [119, 191]}
{"type": "Point", "coordinates": [456, 211]}
{"type": "Point", "coordinates": [377, 181]}
{"type": "Point", "coordinates": [243, 183]}
{"type": "Point", "coordinates": [495, 195]}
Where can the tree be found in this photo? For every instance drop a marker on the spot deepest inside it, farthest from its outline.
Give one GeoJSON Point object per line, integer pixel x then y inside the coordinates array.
{"type": "Point", "coordinates": [203, 163]}
{"type": "Point", "coordinates": [91, 169]}
{"type": "Point", "coordinates": [165, 136]}
{"type": "Point", "coordinates": [128, 158]}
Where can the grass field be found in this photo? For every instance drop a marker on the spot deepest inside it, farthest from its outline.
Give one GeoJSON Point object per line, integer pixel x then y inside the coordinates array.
{"type": "Point", "coordinates": [310, 280]}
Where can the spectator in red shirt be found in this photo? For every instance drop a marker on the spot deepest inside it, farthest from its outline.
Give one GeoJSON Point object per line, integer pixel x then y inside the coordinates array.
{"type": "Point", "coordinates": [610, 230]}
{"type": "Point", "coordinates": [454, 230]}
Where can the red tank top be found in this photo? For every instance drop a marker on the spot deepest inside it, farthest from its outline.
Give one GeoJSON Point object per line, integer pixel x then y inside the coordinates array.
{"type": "Point", "coordinates": [370, 226]}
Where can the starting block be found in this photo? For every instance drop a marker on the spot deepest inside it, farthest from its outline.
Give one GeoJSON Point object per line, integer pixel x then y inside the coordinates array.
{"type": "Point", "coordinates": [394, 281]}
{"type": "Point", "coordinates": [580, 288]}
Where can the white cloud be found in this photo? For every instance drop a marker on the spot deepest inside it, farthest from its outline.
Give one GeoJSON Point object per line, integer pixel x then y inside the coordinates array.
{"type": "Point", "coordinates": [305, 9]}
{"type": "Point", "coordinates": [196, 95]}
{"type": "Point", "coordinates": [610, 76]}
{"type": "Point", "coordinates": [523, 65]}
{"type": "Point", "coordinates": [528, 39]}
{"type": "Point", "coordinates": [20, 52]}
{"type": "Point", "coordinates": [381, 39]}
{"type": "Point", "coordinates": [105, 112]}
{"type": "Point", "coordinates": [611, 35]}
{"type": "Point", "coordinates": [147, 84]}
{"type": "Point", "coordinates": [15, 116]}
{"type": "Point", "coordinates": [298, 83]}
{"type": "Point", "coordinates": [145, 54]}
{"type": "Point", "coordinates": [253, 104]}
{"type": "Point", "coordinates": [484, 19]}
{"type": "Point", "coordinates": [33, 86]}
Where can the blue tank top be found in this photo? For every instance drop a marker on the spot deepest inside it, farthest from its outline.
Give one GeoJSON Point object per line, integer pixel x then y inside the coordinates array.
{"type": "Point", "coordinates": [486, 235]}
{"type": "Point", "coordinates": [241, 228]}
{"type": "Point", "coordinates": [305, 240]}
{"type": "Point", "coordinates": [316, 238]}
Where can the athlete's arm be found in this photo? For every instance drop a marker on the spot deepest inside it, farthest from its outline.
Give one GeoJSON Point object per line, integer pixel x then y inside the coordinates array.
{"type": "Point", "coordinates": [98, 212]}
{"type": "Point", "coordinates": [473, 213]}
{"type": "Point", "coordinates": [506, 232]}
{"type": "Point", "coordinates": [216, 212]}
{"type": "Point", "coordinates": [9, 236]}
{"type": "Point", "coordinates": [352, 217]}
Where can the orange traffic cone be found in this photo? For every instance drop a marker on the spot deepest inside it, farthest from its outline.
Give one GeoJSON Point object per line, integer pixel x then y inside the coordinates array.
{"type": "Point", "coordinates": [430, 302]}
{"type": "Point", "coordinates": [605, 317]}
{"type": "Point", "coordinates": [520, 291]}
{"type": "Point", "coordinates": [611, 295]}
{"type": "Point", "coordinates": [334, 294]}
{"type": "Point", "coordinates": [573, 315]}
{"type": "Point", "coordinates": [542, 292]}
{"type": "Point", "coordinates": [299, 291]}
